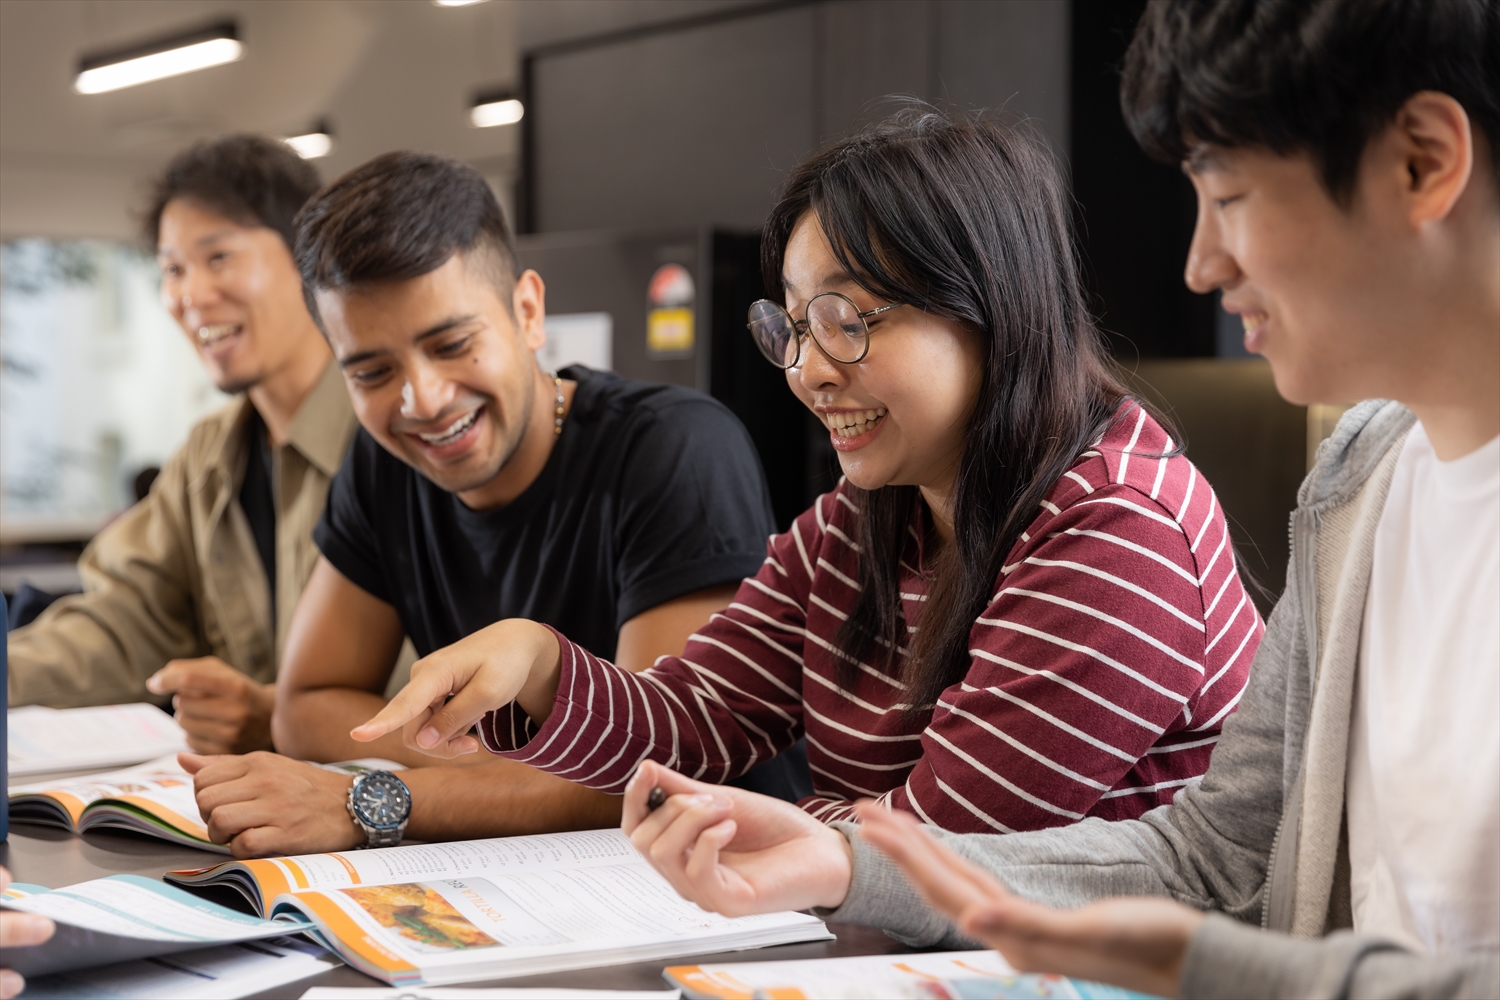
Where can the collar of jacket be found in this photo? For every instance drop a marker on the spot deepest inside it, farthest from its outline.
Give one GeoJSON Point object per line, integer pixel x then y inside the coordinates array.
{"type": "Point", "coordinates": [321, 430]}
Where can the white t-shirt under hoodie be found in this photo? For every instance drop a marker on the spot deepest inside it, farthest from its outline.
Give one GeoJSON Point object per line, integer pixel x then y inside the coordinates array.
{"type": "Point", "coordinates": [1424, 761]}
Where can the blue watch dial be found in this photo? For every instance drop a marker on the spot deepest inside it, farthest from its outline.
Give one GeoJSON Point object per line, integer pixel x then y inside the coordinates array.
{"type": "Point", "coordinates": [382, 800]}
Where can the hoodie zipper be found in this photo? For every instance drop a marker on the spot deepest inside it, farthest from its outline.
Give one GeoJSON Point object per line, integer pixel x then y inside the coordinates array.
{"type": "Point", "coordinates": [1307, 594]}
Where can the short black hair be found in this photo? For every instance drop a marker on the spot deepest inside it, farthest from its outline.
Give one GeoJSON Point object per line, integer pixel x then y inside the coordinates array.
{"type": "Point", "coordinates": [398, 217]}
{"type": "Point", "coordinates": [1319, 77]}
{"type": "Point", "coordinates": [250, 179]}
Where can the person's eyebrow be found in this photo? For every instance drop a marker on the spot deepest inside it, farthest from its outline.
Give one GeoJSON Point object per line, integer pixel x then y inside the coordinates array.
{"type": "Point", "coordinates": [211, 238]}
{"type": "Point", "coordinates": [836, 279]}
{"type": "Point", "coordinates": [432, 331]}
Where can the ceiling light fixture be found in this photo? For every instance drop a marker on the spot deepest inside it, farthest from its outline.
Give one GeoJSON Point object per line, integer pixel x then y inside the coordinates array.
{"type": "Point", "coordinates": [455, 3]}
{"type": "Point", "coordinates": [142, 63]}
{"type": "Point", "coordinates": [311, 145]}
{"type": "Point", "coordinates": [490, 110]}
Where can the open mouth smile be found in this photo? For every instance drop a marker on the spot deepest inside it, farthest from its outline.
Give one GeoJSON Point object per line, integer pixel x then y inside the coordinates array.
{"type": "Point", "coordinates": [214, 334]}
{"type": "Point", "coordinates": [1255, 330]}
{"type": "Point", "coordinates": [854, 423]}
{"type": "Point", "coordinates": [452, 432]}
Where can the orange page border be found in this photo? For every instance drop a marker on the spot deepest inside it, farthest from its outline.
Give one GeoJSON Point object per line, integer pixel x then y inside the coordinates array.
{"type": "Point", "coordinates": [352, 936]}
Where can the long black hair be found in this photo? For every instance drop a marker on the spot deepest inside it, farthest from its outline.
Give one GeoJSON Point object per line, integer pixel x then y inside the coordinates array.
{"type": "Point", "coordinates": [963, 218]}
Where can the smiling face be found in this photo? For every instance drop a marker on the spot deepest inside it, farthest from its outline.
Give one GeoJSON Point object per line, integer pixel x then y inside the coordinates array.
{"type": "Point", "coordinates": [1341, 301]}
{"type": "Point", "coordinates": [441, 372]}
{"type": "Point", "coordinates": [899, 416]}
{"type": "Point", "coordinates": [235, 291]}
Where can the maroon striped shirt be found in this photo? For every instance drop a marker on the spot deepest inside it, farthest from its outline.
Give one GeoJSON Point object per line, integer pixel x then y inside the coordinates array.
{"type": "Point", "coordinates": [1117, 641]}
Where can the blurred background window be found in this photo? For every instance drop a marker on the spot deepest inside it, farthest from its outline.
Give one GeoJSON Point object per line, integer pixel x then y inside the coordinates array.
{"type": "Point", "coordinates": [97, 386]}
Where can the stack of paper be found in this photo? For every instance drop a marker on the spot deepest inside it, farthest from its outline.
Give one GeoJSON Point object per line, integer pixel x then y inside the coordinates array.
{"type": "Point", "coordinates": [225, 972]}
{"type": "Point", "coordinates": [41, 740]}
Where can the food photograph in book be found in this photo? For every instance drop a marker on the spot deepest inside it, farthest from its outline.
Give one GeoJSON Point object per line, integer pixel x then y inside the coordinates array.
{"type": "Point", "coordinates": [452, 915]}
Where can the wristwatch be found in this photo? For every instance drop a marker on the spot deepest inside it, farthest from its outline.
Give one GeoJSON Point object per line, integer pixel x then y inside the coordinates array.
{"type": "Point", "coordinates": [380, 804]}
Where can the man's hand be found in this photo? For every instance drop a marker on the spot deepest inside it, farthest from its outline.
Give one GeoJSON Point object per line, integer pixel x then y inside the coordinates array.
{"type": "Point", "coordinates": [220, 709]}
{"type": "Point", "coordinates": [18, 930]}
{"type": "Point", "coordinates": [451, 690]}
{"type": "Point", "coordinates": [1135, 942]}
{"type": "Point", "coordinates": [733, 851]}
{"type": "Point", "coordinates": [263, 804]}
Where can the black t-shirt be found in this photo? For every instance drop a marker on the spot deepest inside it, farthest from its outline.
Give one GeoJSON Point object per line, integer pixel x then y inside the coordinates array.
{"type": "Point", "coordinates": [651, 492]}
{"type": "Point", "coordinates": [256, 499]}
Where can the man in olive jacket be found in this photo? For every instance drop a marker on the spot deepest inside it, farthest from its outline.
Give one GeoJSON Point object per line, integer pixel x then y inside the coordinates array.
{"type": "Point", "coordinates": [190, 591]}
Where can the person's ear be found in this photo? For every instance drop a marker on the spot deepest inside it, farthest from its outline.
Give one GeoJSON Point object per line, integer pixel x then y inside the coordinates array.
{"type": "Point", "coordinates": [529, 306]}
{"type": "Point", "coordinates": [1437, 146]}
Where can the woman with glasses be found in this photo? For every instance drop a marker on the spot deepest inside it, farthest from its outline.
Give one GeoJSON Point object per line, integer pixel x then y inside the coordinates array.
{"type": "Point", "coordinates": [1020, 606]}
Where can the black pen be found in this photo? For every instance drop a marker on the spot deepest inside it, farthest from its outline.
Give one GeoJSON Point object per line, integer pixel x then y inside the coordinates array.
{"type": "Point", "coordinates": [655, 799]}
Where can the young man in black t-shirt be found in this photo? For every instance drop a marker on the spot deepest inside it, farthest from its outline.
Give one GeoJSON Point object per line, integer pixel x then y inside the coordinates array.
{"type": "Point", "coordinates": [480, 488]}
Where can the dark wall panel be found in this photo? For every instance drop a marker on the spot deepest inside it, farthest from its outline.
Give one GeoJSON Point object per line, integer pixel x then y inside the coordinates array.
{"type": "Point", "coordinates": [1135, 217]}
{"type": "Point", "coordinates": [679, 128]}
{"type": "Point", "coordinates": [698, 122]}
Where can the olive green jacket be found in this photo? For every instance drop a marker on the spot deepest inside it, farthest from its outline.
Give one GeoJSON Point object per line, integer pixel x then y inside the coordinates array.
{"type": "Point", "coordinates": [178, 575]}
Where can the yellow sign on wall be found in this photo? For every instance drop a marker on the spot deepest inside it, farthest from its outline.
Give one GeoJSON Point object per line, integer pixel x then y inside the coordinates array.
{"type": "Point", "coordinates": [669, 330]}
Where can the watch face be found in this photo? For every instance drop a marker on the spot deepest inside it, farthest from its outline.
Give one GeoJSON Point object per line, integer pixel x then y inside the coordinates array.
{"type": "Point", "coordinates": [381, 799]}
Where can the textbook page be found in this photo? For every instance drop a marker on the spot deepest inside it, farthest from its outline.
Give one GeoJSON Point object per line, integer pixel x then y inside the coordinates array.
{"type": "Point", "coordinates": [459, 912]}
{"type": "Point", "coordinates": [43, 739]}
{"type": "Point", "coordinates": [224, 972]}
{"type": "Point", "coordinates": [155, 798]}
{"type": "Point", "coordinates": [972, 975]}
{"type": "Point", "coordinates": [266, 878]}
{"type": "Point", "coordinates": [126, 917]}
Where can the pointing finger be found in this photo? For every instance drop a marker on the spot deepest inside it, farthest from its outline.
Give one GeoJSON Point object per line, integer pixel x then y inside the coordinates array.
{"type": "Point", "coordinates": [421, 696]}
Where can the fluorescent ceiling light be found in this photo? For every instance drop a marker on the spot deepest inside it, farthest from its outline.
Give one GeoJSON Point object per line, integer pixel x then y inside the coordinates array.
{"type": "Point", "coordinates": [183, 53]}
{"type": "Point", "coordinates": [455, 3]}
{"type": "Point", "coordinates": [492, 113]}
{"type": "Point", "coordinates": [312, 145]}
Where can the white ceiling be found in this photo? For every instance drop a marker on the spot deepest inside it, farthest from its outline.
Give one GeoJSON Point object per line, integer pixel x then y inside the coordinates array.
{"type": "Point", "coordinates": [387, 74]}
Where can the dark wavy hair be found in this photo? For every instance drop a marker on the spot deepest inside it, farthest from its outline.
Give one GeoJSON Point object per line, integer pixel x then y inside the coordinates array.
{"type": "Point", "coordinates": [249, 179]}
{"type": "Point", "coordinates": [964, 218]}
{"type": "Point", "coordinates": [1320, 77]}
{"type": "Point", "coordinates": [398, 217]}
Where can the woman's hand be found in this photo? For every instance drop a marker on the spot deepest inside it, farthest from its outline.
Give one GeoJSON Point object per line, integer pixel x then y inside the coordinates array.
{"type": "Point", "coordinates": [451, 690]}
{"type": "Point", "coordinates": [18, 930]}
{"type": "Point", "coordinates": [1135, 942]}
{"type": "Point", "coordinates": [733, 851]}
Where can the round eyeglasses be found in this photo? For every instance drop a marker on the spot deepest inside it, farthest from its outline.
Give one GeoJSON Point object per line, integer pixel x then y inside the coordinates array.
{"type": "Point", "coordinates": [836, 324]}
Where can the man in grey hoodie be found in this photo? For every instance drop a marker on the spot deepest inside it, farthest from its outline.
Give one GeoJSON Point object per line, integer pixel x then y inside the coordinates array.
{"type": "Point", "coordinates": [1346, 838]}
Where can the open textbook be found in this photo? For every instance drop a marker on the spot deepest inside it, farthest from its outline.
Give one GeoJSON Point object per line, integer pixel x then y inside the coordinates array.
{"type": "Point", "coordinates": [40, 739]}
{"type": "Point", "coordinates": [155, 798]}
{"type": "Point", "coordinates": [490, 909]}
{"type": "Point", "coordinates": [951, 975]}
{"type": "Point", "coordinates": [124, 918]}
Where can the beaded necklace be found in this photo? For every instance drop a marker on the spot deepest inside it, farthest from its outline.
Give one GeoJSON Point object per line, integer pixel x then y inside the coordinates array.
{"type": "Point", "coordinates": [557, 425]}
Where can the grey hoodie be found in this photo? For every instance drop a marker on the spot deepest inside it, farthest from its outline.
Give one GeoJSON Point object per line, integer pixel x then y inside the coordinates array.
{"type": "Point", "coordinates": [1261, 840]}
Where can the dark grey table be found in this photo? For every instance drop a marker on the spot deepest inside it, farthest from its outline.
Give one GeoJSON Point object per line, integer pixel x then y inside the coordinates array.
{"type": "Point", "coordinates": [55, 858]}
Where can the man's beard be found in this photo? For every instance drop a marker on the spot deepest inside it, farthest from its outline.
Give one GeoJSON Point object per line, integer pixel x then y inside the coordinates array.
{"type": "Point", "coordinates": [238, 387]}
